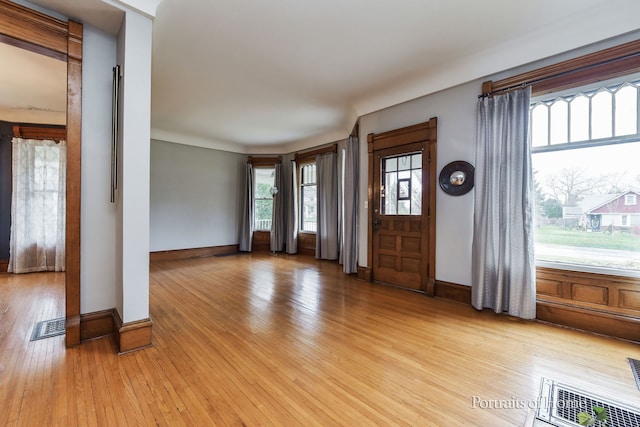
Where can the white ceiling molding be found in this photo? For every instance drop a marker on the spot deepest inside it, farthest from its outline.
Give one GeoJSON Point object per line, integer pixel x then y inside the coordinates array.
{"type": "Point", "coordinates": [147, 8]}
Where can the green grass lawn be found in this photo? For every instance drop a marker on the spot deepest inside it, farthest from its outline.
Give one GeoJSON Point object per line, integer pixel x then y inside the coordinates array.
{"type": "Point", "coordinates": [554, 235]}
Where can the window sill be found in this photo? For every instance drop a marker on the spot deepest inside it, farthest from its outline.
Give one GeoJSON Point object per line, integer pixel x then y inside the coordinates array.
{"type": "Point", "coordinates": [588, 269]}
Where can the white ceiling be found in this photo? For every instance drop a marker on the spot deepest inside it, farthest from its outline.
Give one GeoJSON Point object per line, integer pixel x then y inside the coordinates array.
{"type": "Point", "coordinates": [255, 76]}
{"type": "Point", "coordinates": [33, 87]}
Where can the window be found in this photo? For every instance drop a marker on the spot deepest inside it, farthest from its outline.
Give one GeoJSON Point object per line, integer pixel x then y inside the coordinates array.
{"type": "Point", "coordinates": [263, 198]}
{"type": "Point", "coordinates": [308, 198]}
{"type": "Point", "coordinates": [585, 146]}
{"type": "Point", "coordinates": [401, 189]}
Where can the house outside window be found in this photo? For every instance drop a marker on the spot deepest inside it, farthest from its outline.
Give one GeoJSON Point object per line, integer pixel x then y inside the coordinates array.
{"type": "Point", "coordinates": [585, 150]}
{"type": "Point", "coordinates": [308, 198]}
{"type": "Point", "coordinates": [263, 199]}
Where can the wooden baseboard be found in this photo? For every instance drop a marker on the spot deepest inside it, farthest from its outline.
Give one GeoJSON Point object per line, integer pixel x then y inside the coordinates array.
{"type": "Point", "coordinates": [4, 265]}
{"type": "Point", "coordinates": [610, 324]}
{"type": "Point", "coordinates": [72, 330]}
{"type": "Point", "coordinates": [131, 336]}
{"type": "Point", "coordinates": [364, 273]}
{"type": "Point", "coordinates": [453, 291]}
{"type": "Point", "coordinates": [178, 254]}
{"type": "Point", "coordinates": [96, 325]}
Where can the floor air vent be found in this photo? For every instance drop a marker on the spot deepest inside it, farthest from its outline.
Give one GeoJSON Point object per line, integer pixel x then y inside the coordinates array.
{"type": "Point", "coordinates": [635, 369]}
{"type": "Point", "coordinates": [48, 328]}
{"type": "Point", "coordinates": [560, 404]}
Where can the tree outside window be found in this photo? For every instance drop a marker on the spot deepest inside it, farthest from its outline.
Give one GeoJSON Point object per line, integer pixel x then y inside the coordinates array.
{"type": "Point", "coordinates": [308, 197]}
{"type": "Point", "coordinates": [263, 199]}
{"type": "Point", "coordinates": [585, 151]}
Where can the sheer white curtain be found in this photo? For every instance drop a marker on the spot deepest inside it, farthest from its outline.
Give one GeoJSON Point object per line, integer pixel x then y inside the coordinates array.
{"type": "Point", "coordinates": [246, 225]}
{"type": "Point", "coordinates": [38, 214]}
{"type": "Point", "coordinates": [277, 239]}
{"type": "Point", "coordinates": [503, 268]}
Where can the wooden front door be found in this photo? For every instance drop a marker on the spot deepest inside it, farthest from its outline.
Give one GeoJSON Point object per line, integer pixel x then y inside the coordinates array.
{"type": "Point", "coordinates": [403, 206]}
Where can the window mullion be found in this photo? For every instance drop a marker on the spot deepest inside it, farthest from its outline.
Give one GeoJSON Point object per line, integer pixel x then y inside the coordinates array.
{"type": "Point", "coordinates": [548, 124]}
{"type": "Point", "coordinates": [614, 102]}
{"type": "Point", "coordinates": [590, 118]}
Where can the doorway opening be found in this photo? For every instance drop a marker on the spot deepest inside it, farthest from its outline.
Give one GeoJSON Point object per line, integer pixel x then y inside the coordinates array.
{"type": "Point", "coordinates": [402, 177]}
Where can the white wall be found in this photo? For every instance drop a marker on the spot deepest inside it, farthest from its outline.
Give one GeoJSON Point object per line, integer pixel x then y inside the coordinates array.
{"type": "Point", "coordinates": [134, 50]}
{"type": "Point", "coordinates": [455, 109]}
{"type": "Point", "coordinates": [98, 215]}
{"type": "Point", "coordinates": [196, 196]}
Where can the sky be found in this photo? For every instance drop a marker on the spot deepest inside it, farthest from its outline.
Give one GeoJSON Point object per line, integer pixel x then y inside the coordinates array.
{"type": "Point", "coordinates": [610, 159]}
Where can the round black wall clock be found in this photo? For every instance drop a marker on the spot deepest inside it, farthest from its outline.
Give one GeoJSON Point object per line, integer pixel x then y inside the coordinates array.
{"type": "Point", "coordinates": [456, 178]}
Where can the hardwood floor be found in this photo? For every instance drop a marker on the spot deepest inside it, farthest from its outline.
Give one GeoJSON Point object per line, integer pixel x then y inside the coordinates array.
{"type": "Point", "coordinates": [281, 340]}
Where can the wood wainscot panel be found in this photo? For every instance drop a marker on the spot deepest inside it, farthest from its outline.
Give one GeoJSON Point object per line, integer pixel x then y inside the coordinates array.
{"type": "Point", "coordinates": [594, 294]}
{"type": "Point", "coordinates": [261, 241]}
{"type": "Point", "coordinates": [193, 253]}
{"type": "Point", "coordinates": [307, 243]}
{"type": "Point", "coordinates": [364, 273]}
{"type": "Point", "coordinates": [629, 299]}
{"type": "Point", "coordinates": [615, 294]}
{"type": "Point", "coordinates": [599, 303]}
{"type": "Point", "coordinates": [131, 336]}
{"type": "Point", "coordinates": [548, 287]}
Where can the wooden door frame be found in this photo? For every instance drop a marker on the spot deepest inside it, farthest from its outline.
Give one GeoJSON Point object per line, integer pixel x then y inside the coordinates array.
{"type": "Point", "coordinates": [422, 132]}
{"type": "Point", "coordinates": [40, 33]}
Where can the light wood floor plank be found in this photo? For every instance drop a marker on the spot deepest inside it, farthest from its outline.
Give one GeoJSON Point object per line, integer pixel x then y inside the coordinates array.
{"type": "Point", "coordinates": [282, 340]}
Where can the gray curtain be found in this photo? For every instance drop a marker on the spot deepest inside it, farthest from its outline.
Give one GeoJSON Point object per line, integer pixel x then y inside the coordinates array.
{"type": "Point", "coordinates": [503, 268]}
{"type": "Point", "coordinates": [327, 213]}
{"type": "Point", "coordinates": [278, 213]}
{"type": "Point", "coordinates": [246, 225]}
{"type": "Point", "coordinates": [292, 210]}
{"type": "Point", "coordinates": [349, 250]}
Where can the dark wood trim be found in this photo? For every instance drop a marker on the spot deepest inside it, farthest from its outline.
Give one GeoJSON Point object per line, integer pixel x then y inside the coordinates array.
{"type": "Point", "coordinates": [604, 64]}
{"type": "Point", "coordinates": [356, 129]}
{"type": "Point", "coordinates": [43, 34]}
{"type": "Point", "coordinates": [96, 325]}
{"type": "Point", "coordinates": [176, 254]}
{"type": "Point", "coordinates": [131, 336]}
{"type": "Point", "coordinates": [264, 161]}
{"type": "Point", "coordinates": [364, 273]}
{"type": "Point", "coordinates": [425, 133]}
{"type": "Point", "coordinates": [406, 135]}
{"type": "Point", "coordinates": [54, 133]}
{"type": "Point", "coordinates": [28, 29]}
{"type": "Point", "coordinates": [307, 243]}
{"type": "Point", "coordinates": [431, 195]}
{"type": "Point", "coordinates": [261, 241]}
{"type": "Point", "coordinates": [73, 206]}
{"type": "Point", "coordinates": [308, 155]}
{"type": "Point", "coordinates": [610, 324]}
{"type": "Point", "coordinates": [453, 291]}
{"type": "Point", "coordinates": [4, 265]}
